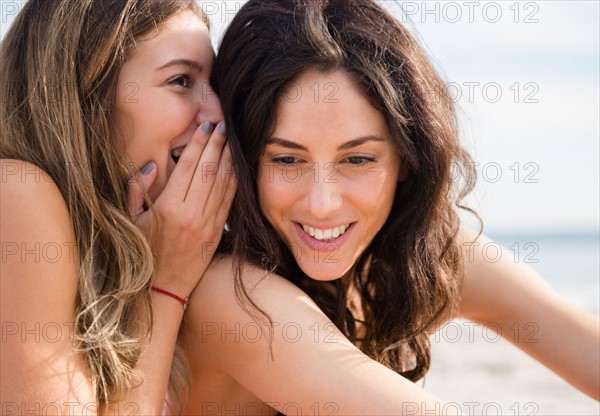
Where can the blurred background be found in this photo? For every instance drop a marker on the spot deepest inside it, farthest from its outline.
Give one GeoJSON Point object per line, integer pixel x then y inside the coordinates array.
{"type": "Point", "coordinates": [525, 79]}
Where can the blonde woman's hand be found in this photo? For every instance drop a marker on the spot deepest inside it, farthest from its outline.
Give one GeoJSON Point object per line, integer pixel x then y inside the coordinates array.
{"type": "Point", "coordinates": [190, 212]}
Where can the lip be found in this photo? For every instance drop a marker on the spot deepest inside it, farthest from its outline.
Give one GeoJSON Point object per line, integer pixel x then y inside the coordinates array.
{"type": "Point", "coordinates": [325, 246]}
{"type": "Point", "coordinates": [178, 146]}
{"type": "Point", "coordinates": [181, 142]}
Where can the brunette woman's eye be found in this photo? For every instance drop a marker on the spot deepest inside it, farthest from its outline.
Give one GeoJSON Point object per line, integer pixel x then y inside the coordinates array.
{"type": "Point", "coordinates": [285, 160]}
{"type": "Point", "coordinates": [359, 160]}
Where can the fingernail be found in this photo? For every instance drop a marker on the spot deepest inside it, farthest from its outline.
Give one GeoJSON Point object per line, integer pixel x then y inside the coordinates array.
{"type": "Point", "coordinates": [207, 127]}
{"type": "Point", "coordinates": [147, 168]}
{"type": "Point", "coordinates": [222, 128]}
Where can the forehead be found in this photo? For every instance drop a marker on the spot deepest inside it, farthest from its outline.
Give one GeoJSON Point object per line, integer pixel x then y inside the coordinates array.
{"type": "Point", "coordinates": [185, 20]}
{"type": "Point", "coordinates": [183, 34]}
{"type": "Point", "coordinates": [327, 105]}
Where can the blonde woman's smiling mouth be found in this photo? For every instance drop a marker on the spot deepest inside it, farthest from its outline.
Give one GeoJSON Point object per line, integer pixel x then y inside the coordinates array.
{"type": "Point", "coordinates": [176, 153]}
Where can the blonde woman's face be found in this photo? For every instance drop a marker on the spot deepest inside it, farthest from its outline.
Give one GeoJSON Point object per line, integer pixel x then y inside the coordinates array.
{"type": "Point", "coordinates": [164, 94]}
{"type": "Point", "coordinates": [328, 174]}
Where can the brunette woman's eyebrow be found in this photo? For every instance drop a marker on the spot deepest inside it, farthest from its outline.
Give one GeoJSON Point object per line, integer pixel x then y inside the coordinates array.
{"type": "Point", "coordinates": [360, 140]}
{"type": "Point", "coordinates": [184, 62]}
{"type": "Point", "coordinates": [348, 145]}
{"type": "Point", "coordinates": [286, 143]}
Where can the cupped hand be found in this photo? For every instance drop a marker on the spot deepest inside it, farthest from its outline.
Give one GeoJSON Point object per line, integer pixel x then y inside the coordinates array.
{"type": "Point", "coordinates": [186, 221]}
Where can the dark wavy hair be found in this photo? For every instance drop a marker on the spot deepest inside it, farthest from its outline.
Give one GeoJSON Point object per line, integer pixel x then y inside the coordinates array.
{"type": "Point", "coordinates": [410, 275]}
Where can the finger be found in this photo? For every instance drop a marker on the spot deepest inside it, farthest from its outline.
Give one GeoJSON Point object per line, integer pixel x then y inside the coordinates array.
{"type": "Point", "coordinates": [220, 184]}
{"type": "Point", "coordinates": [225, 205]}
{"type": "Point", "coordinates": [137, 187]}
{"type": "Point", "coordinates": [179, 182]}
{"type": "Point", "coordinates": [209, 170]}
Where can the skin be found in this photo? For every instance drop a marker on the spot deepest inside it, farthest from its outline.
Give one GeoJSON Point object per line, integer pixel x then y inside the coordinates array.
{"type": "Point", "coordinates": [348, 143]}
{"type": "Point", "coordinates": [328, 164]}
{"type": "Point", "coordinates": [313, 367]}
{"type": "Point", "coordinates": [191, 200]}
{"type": "Point", "coordinates": [164, 94]}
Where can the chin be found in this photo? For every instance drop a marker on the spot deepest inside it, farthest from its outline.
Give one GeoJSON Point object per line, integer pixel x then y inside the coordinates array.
{"type": "Point", "coordinates": [324, 271]}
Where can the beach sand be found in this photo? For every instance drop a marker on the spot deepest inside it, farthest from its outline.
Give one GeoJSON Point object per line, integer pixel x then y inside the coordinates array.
{"type": "Point", "coordinates": [486, 375]}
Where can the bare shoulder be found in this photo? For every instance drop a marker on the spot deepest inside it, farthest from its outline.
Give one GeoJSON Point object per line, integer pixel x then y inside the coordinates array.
{"type": "Point", "coordinates": [28, 191]}
{"type": "Point", "coordinates": [216, 295]}
{"type": "Point", "coordinates": [38, 244]}
{"type": "Point", "coordinates": [233, 355]}
{"type": "Point", "coordinates": [224, 332]}
{"type": "Point", "coordinates": [38, 279]}
{"type": "Point", "coordinates": [37, 230]}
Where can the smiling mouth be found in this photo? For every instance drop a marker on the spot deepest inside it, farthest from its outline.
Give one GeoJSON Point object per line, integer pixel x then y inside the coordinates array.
{"type": "Point", "coordinates": [325, 235]}
{"type": "Point", "coordinates": [176, 153]}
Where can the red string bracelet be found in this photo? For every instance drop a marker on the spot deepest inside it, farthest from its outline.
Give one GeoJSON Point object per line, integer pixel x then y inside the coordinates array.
{"type": "Point", "coordinates": [184, 301]}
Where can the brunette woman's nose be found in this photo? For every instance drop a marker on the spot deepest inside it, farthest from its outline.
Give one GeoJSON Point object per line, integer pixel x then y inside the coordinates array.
{"type": "Point", "coordinates": [323, 194]}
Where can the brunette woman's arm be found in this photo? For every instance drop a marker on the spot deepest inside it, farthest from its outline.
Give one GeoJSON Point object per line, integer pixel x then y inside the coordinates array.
{"type": "Point", "coordinates": [503, 293]}
{"type": "Point", "coordinates": [313, 364]}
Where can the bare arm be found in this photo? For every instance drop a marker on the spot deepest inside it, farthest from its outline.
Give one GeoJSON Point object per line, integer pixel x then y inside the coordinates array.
{"type": "Point", "coordinates": [40, 370]}
{"type": "Point", "coordinates": [191, 212]}
{"type": "Point", "coordinates": [38, 277]}
{"type": "Point", "coordinates": [312, 361]}
{"type": "Point", "coordinates": [504, 294]}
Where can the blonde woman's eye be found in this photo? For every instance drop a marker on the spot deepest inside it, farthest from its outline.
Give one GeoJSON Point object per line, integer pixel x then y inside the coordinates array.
{"type": "Point", "coordinates": [184, 81]}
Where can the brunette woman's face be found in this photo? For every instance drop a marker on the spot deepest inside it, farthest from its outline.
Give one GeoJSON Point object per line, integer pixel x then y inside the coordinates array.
{"type": "Point", "coordinates": [164, 94]}
{"type": "Point", "coordinates": [328, 174]}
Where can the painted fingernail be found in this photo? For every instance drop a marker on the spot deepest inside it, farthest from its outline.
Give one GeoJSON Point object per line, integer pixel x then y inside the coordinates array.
{"type": "Point", "coordinates": [147, 168]}
{"type": "Point", "coordinates": [222, 128]}
{"type": "Point", "coordinates": [207, 127]}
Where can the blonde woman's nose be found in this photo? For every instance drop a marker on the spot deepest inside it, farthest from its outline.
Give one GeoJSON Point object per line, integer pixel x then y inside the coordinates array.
{"type": "Point", "coordinates": [209, 106]}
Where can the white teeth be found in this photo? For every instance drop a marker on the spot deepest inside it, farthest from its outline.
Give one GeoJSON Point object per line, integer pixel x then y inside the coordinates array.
{"type": "Point", "coordinates": [325, 235]}
{"type": "Point", "coordinates": [176, 153]}
{"type": "Point", "coordinates": [309, 230]}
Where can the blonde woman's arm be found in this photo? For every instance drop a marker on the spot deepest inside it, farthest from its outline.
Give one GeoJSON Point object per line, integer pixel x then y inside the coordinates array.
{"type": "Point", "coordinates": [190, 214]}
{"type": "Point", "coordinates": [503, 294]}
{"type": "Point", "coordinates": [39, 371]}
{"type": "Point", "coordinates": [313, 364]}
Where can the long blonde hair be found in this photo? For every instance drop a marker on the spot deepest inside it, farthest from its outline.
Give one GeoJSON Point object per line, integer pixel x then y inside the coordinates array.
{"type": "Point", "coordinates": [59, 65]}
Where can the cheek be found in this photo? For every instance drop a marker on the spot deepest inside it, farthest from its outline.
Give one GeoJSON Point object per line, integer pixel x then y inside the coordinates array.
{"type": "Point", "coordinates": [276, 195]}
{"type": "Point", "coordinates": [374, 194]}
{"type": "Point", "coordinates": [158, 185]}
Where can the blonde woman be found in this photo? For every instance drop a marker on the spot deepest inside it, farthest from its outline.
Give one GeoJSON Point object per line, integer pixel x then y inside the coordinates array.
{"type": "Point", "coordinates": [99, 100]}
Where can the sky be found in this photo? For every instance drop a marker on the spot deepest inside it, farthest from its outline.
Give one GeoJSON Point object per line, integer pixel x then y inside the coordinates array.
{"type": "Point", "coordinates": [525, 77]}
